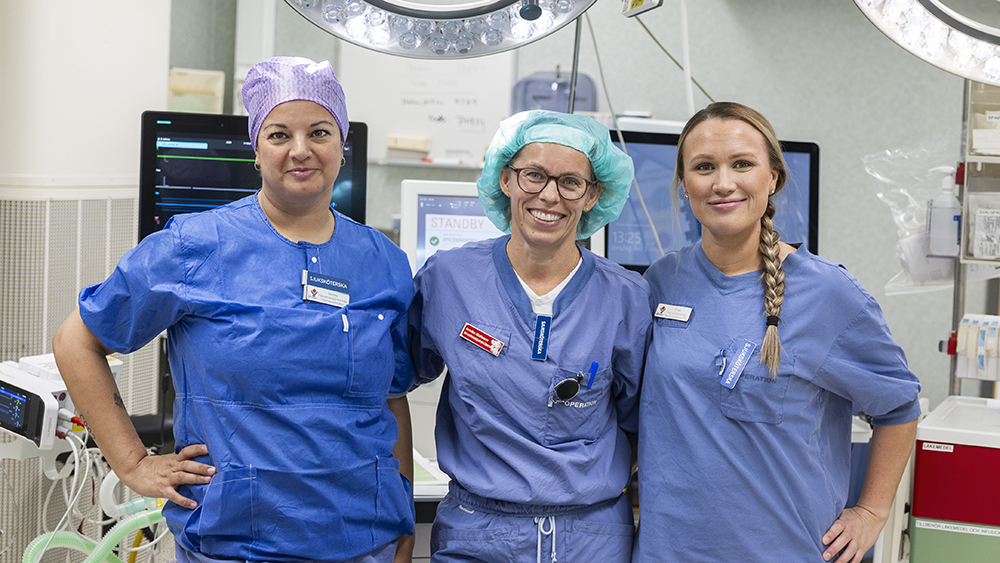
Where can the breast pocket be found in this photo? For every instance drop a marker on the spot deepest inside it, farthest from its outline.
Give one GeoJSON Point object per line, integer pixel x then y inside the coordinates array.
{"type": "Point", "coordinates": [756, 397]}
{"type": "Point", "coordinates": [478, 377]}
{"type": "Point", "coordinates": [371, 359]}
{"type": "Point", "coordinates": [670, 323]}
{"type": "Point", "coordinates": [583, 417]}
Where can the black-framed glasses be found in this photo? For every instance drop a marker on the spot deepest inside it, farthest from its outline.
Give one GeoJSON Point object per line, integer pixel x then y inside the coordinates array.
{"type": "Point", "coordinates": [534, 180]}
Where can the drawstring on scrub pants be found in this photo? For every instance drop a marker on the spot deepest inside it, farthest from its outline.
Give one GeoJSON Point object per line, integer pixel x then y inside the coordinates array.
{"type": "Point", "coordinates": [550, 532]}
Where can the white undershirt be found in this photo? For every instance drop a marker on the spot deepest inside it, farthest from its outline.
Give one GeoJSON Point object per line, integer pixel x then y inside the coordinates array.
{"type": "Point", "coordinates": [543, 305]}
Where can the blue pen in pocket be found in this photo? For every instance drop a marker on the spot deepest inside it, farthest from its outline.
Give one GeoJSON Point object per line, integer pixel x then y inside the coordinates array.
{"type": "Point", "coordinates": [593, 372]}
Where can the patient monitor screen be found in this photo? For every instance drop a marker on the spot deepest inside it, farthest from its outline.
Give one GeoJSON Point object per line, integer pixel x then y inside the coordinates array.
{"type": "Point", "coordinates": [445, 222]}
{"type": "Point", "coordinates": [198, 173]}
{"type": "Point", "coordinates": [196, 162]}
{"type": "Point", "coordinates": [13, 409]}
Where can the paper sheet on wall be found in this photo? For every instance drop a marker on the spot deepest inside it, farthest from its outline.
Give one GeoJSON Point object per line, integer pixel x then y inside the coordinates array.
{"type": "Point", "coordinates": [987, 241]}
{"type": "Point", "coordinates": [456, 103]}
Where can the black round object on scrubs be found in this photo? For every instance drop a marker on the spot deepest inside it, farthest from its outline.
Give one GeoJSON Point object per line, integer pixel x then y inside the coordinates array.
{"type": "Point", "coordinates": [568, 388]}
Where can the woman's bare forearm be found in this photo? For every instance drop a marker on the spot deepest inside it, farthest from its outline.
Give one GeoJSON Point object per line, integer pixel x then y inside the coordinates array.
{"type": "Point", "coordinates": [83, 365]}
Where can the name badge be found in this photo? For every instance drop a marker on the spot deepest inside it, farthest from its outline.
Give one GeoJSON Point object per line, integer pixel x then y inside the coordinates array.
{"type": "Point", "coordinates": [540, 346]}
{"type": "Point", "coordinates": [732, 375]}
{"type": "Point", "coordinates": [481, 339]}
{"type": "Point", "coordinates": [673, 312]}
{"type": "Point", "coordinates": [325, 289]}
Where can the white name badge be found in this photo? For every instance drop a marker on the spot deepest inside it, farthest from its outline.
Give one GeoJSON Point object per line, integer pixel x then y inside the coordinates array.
{"type": "Point", "coordinates": [673, 312]}
{"type": "Point", "coordinates": [325, 289]}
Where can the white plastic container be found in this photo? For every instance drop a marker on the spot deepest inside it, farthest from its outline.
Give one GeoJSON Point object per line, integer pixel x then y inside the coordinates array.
{"type": "Point", "coordinates": [944, 219]}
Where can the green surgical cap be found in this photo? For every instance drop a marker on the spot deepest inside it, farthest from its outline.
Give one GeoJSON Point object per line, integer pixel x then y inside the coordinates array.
{"type": "Point", "coordinates": [612, 168]}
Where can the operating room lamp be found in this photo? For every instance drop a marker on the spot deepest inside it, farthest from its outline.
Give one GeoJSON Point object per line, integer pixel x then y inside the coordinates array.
{"type": "Point", "coordinates": [440, 29]}
{"type": "Point", "coordinates": [958, 36]}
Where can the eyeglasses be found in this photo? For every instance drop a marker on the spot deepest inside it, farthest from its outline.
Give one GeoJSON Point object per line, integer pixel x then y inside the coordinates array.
{"type": "Point", "coordinates": [534, 180]}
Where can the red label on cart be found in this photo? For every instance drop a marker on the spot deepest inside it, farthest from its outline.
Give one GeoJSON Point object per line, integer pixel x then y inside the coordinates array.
{"type": "Point", "coordinates": [481, 339]}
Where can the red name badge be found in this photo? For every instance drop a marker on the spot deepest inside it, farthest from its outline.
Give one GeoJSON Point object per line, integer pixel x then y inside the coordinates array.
{"type": "Point", "coordinates": [481, 339]}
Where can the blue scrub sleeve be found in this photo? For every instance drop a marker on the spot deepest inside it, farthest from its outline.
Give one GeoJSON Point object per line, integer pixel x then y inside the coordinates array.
{"type": "Point", "coordinates": [866, 366]}
{"type": "Point", "coordinates": [427, 362]}
{"type": "Point", "coordinates": [899, 415]}
{"type": "Point", "coordinates": [403, 378]}
{"type": "Point", "coordinates": [628, 366]}
{"type": "Point", "coordinates": [142, 297]}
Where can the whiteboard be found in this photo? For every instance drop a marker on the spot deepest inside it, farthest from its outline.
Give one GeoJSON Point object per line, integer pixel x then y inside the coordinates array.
{"type": "Point", "coordinates": [457, 104]}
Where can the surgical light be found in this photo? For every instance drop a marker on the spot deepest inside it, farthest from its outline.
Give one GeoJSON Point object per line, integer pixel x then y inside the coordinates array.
{"type": "Point", "coordinates": [440, 29]}
{"type": "Point", "coordinates": [943, 33]}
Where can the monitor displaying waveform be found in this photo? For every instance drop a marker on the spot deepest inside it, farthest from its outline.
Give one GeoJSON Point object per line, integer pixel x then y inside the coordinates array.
{"type": "Point", "coordinates": [196, 162]}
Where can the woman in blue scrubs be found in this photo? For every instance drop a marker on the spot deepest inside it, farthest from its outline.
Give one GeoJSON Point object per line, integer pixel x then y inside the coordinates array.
{"type": "Point", "coordinates": [543, 343]}
{"type": "Point", "coordinates": [287, 325]}
{"type": "Point", "coordinates": [760, 352]}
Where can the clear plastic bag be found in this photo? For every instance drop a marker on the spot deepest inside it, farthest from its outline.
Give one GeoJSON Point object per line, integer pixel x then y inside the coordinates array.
{"type": "Point", "coordinates": [909, 178]}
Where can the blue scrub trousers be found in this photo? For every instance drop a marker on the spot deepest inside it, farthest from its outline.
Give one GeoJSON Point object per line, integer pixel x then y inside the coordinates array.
{"type": "Point", "coordinates": [470, 528]}
{"type": "Point", "coordinates": [382, 554]}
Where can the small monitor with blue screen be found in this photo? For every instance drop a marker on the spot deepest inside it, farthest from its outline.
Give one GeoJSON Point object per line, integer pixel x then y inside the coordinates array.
{"type": "Point", "coordinates": [629, 239]}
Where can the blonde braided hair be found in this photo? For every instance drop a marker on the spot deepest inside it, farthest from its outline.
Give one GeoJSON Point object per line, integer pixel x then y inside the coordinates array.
{"type": "Point", "coordinates": [773, 277]}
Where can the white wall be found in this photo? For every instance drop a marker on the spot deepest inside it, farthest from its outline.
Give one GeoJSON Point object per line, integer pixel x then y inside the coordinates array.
{"type": "Point", "coordinates": [76, 75]}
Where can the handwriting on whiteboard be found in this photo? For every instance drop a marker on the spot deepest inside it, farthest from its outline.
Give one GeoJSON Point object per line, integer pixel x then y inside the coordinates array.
{"type": "Point", "coordinates": [420, 101]}
{"type": "Point", "coordinates": [457, 104]}
{"type": "Point", "coordinates": [447, 110]}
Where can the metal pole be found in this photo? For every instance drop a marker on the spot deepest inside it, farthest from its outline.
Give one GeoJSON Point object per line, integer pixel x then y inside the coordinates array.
{"type": "Point", "coordinates": [686, 59]}
{"type": "Point", "coordinates": [576, 64]}
{"type": "Point", "coordinates": [958, 302]}
{"type": "Point", "coordinates": [957, 311]}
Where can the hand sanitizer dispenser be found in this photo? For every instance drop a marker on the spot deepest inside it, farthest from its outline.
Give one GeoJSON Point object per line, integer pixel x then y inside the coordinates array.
{"type": "Point", "coordinates": [944, 217]}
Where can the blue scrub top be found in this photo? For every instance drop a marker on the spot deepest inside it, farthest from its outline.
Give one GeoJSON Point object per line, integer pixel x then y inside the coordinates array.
{"type": "Point", "coordinates": [288, 395]}
{"type": "Point", "coordinates": [758, 472]}
{"type": "Point", "coordinates": [500, 433]}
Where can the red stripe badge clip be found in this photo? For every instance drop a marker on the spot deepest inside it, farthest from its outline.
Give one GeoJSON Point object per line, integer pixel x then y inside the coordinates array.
{"type": "Point", "coordinates": [481, 339]}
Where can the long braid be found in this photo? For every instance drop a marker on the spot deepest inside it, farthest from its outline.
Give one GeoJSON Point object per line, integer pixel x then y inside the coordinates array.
{"type": "Point", "coordinates": [773, 279]}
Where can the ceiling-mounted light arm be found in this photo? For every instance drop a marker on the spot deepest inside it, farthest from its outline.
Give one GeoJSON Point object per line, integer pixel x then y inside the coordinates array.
{"type": "Point", "coordinates": [926, 35]}
{"type": "Point", "coordinates": [438, 11]}
{"type": "Point", "coordinates": [440, 29]}
{"type": "Point", "coordinates": [962, 23]}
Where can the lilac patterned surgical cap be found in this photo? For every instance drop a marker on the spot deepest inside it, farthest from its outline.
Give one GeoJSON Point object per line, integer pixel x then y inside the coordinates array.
{"type": "Point", "coordinates": [283, 79]}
